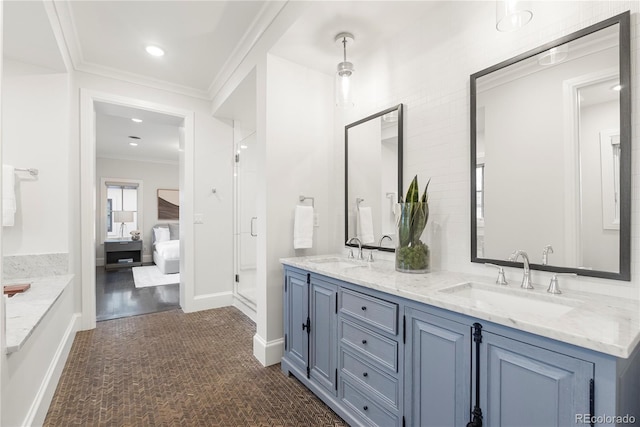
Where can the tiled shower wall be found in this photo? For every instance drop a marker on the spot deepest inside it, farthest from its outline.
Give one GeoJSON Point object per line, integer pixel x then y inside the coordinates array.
{"type": "Point", "coordinates": [427, 68]}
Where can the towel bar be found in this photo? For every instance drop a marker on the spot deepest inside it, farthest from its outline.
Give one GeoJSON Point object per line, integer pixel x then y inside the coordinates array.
{"type": "Point", "coordinates": [303, 198]}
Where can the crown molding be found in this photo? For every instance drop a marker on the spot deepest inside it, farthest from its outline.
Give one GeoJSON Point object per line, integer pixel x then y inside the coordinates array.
{"type": "Point", "coordinates": [142, 80]}
{"type": "Point", "coordinates": [137, 160]}
{"type": "Point", "coordinates": [63, 26]}
{"type": "Point", "coordinates": [269, 12]}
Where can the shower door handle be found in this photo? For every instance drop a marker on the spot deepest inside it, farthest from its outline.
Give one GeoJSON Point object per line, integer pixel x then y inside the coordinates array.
{"type": "Point", "coordinates": [252, 219]}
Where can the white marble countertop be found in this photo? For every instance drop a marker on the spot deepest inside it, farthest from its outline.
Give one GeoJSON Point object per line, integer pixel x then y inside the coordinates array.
{"type": "Point", "coordinates": [608, 325]}
{"type": "Point", "coordinates": [24, 311]}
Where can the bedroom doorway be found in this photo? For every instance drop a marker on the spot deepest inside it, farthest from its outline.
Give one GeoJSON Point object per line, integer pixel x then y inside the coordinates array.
{"type": "Point", "coordinates": [246, 218]}
{"type": "Point", "coordinates": [137, 156]}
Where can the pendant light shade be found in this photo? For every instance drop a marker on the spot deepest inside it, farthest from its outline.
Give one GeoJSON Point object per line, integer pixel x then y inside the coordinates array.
{"type": "Point", "coordinates": [344, 75]}
{"type": "Point", "coordinates": [512, 14]}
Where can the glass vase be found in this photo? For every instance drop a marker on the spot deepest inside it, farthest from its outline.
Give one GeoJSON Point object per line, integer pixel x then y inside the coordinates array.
{"type": "Point", "coordinates": [412, 254]}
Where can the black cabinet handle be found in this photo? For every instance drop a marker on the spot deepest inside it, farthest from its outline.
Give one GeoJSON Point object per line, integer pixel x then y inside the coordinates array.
{"type": "Point", "coordinates": [364, 374]}
{"type": "Point", "coordinates": [364, 341]}
{"type": "Point", "coordinates": [365, 407]}
{"type": "Point", "coordinates": [364, 308]}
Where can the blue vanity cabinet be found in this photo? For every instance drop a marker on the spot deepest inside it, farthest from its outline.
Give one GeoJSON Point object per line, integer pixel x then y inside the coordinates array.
{"type": "Point", "coordinates": [310, 330]}
{"type": "Point", "coordinates": [296, 297]}
{"type": "Point", "coordinates": [525, 385]}
{"type": "Point", "coordinates": [370, 349]}
{"type": "Point", "coordinates": [437, 367]}
{"type": "Point", "coordinates": [323, 342]}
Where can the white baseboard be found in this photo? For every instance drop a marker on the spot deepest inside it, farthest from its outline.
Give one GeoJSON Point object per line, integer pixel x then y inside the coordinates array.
{"type": "Point", "coordinates": [245, 308]}
{"type": "Point", "coordinates": [268, 353]}
{"type": "Point", "coordinates": [99, 262]}
{"type": "Point", "coordinates": [38, 410]}
{"type": "Point", "coordinates": [209, 301]}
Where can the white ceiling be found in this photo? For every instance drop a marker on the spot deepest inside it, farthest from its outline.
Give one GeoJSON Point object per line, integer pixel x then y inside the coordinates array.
{"type": "Point", "coordinates": [310, 40]}
{"type": "Point", "coordinates": [159, 140]}
{"type": "Point", "coordinates": [204, 41]}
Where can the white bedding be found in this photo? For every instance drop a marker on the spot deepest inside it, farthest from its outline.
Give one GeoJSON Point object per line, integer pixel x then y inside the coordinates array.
{"type": "Point", "coordinates": [169, 249]}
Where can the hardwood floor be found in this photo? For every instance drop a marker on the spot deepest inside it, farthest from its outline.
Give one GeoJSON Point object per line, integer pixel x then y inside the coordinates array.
{"type": "Point", "coordinates": [117, 296]}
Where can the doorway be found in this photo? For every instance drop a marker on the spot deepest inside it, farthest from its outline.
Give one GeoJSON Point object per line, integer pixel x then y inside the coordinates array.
{"type": "Point", "coordinates": [91, 226]}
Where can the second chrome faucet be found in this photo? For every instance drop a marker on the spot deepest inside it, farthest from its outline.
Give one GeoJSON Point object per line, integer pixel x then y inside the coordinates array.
{"type": "Point", "coordinates": [526, 277]}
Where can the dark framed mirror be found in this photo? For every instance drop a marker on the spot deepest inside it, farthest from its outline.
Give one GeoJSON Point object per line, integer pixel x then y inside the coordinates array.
{"type": "Point", "coordinates": [373, 178]}
{"type": "Point", "coordinates": [551, 155]}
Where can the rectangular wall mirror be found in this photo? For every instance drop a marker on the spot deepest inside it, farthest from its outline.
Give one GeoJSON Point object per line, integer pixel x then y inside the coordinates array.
{"type": "Point", "coordinates": [551, 155]}
{"type": "Point", "coordinates": [373, 178]}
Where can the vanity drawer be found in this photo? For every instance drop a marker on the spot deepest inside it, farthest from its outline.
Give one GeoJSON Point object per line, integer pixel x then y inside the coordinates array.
{"type": "Point", "coordinates": [368, 377]}
{"type": "Point", "coordinates": [375, 312]}
{"type": "Point", "coordinates": [378, 348]}
{"type": "Point", "coordinates": [366, 407]}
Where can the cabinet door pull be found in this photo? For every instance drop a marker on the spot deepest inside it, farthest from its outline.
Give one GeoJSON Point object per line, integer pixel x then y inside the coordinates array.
{"type": "Point", "coordinates": [365, 407]}
{"type": "Point", "coordinates": [364, 341]}
{"type": "Point", "coordinates": [364, 308]}
{"type": "Point", "coordinates": [364, 374]}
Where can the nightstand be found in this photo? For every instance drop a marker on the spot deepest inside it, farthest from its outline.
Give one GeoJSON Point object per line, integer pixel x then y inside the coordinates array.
{"type": "Point", "coordinates": [122, 253]}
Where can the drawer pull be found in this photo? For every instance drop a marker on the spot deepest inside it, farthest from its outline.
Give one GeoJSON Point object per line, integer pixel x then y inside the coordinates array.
{"type": "Point", "coordinates": [364, 308]}
{"type": "Point", "coordinates": [364, 374]}
{"type": "Point", "coordinates": [364, 341]}
{"type": "Point", "coordinates": [365, 407]}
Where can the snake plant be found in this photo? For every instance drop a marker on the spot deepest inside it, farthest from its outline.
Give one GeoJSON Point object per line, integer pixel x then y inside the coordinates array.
{"type": "Point", "coordinates": [412, 255]}
{"type": "Point", "coordinates": [414, 214]}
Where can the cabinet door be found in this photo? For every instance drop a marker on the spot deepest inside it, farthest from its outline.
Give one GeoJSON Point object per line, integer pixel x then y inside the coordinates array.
{"type": "Point", "coordinates": [525, 385]}
{"type": "Point", "coordinates": [296, 313]}
{"type": "Point", "coordinates": [438, 371]}
{"type": "Point", "coordinates": [324, 344]}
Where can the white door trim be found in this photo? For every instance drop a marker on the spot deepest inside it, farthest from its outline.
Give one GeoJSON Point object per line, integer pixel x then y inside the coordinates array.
{"type": "Point", "coordinates": [88, 197]}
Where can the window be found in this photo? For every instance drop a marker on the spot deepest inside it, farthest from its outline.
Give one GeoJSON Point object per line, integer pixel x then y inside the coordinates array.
{"type": "Point", "coordinates": [122, 209]}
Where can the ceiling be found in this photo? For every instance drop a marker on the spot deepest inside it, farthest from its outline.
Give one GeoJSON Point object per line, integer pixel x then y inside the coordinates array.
{"type": "Point", "coordinates": [204, 41]}
{"type": "Point", "coordinates": [158, 133]}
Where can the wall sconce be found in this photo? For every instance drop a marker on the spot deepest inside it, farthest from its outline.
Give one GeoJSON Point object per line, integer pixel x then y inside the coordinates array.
{"type": "Point", "coordinates": [512, 14]}
{"type": "Point", "coordinates": [344, 75]}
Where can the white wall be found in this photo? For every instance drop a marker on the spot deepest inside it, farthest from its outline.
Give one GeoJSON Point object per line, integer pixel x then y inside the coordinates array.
{"type": "Point", "coordinates": [295, 131]}
{"type": "Point", "coordinates": [427, 67]}
{"type": "Point", "coordinates": [153, 176]}
{"type": "Point", "coordinates": [35, 135]}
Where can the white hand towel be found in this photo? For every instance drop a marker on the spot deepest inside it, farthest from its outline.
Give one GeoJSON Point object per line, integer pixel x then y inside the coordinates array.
{"type": "Point", "coordinates": [303, 227]}
{"type": "Point", "coordinates": [8, 195]}
{"type": "Point", "coordinates": [365, 224]}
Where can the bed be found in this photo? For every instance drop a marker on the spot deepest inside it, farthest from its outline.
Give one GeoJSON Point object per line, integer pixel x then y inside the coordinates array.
{"type": "Point", "coordinates": [165, 239]}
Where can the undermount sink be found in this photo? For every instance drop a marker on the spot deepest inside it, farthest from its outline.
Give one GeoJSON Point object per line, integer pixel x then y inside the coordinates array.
{"type": "Point", "coordinates": [337, 262]}
{"type": "Point", "coordinates": [489, 297]}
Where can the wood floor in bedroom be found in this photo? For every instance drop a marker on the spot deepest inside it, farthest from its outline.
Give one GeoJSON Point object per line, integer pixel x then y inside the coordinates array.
{"type": "Point", "coordinates": [117, 296]}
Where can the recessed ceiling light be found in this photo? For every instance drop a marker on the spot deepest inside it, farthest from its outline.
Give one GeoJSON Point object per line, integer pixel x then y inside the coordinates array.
{"type": "Point", "coordinates": [154, 50]}
{"type": "Point", "coordinates": [617, 87]}
{"type": "Point", "coordinates": [136, 120]}
{"type": "Point", "coordinates": [133, 144]}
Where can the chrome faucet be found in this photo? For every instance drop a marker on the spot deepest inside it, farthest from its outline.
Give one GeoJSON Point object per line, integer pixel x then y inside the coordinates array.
{"type": "Point", "coordinates": [386, 236]}
{"type": "Point", "coordinates": [359, 247]}
{"type": "Point", "coordinates": [526, 278]}
{"type": "Point", "coordinates": [545, 254]}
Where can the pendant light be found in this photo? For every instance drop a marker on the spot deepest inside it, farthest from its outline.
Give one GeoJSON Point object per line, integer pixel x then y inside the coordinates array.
{"type": "Point", "coordinates": [344, 74]}
{"type": "Point", "coordinates": [512, 14]}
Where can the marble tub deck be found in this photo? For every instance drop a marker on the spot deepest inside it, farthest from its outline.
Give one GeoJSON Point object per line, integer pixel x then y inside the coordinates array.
{"type": "Point", "coordinates": [605, 324]}
{"type": "Point", "coordinates": [26, 310]}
